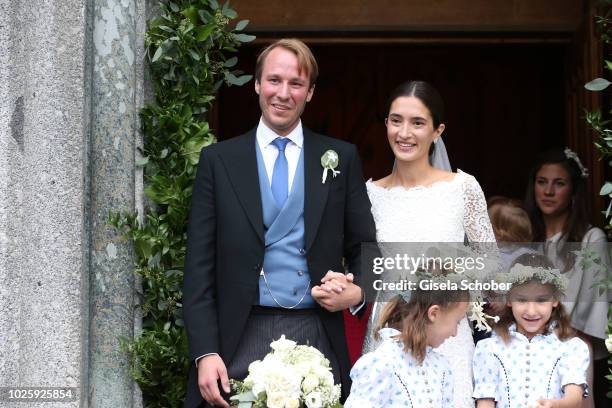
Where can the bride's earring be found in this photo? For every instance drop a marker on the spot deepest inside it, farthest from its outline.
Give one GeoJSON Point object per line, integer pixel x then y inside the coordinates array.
{"type": "Point", "coordinates": [435, 140]}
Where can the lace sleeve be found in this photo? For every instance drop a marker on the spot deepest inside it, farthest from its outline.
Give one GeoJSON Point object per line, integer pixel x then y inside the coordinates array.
{"type": "Point", "coordinates": [476, 218]}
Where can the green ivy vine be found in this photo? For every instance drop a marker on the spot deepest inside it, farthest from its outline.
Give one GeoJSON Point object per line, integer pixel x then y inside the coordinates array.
{"type": "Point", "coordinates": [600, 124]}
{"type": "Point", "coordinates": [189, 48]}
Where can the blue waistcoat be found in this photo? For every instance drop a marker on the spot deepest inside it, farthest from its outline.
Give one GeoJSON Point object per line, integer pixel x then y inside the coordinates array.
{"type": "Point", "coordinates": [285, 264]}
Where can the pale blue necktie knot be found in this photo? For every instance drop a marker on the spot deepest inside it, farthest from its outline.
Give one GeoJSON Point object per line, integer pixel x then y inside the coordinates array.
{"type": "Point", "coordinates": [280, 174]}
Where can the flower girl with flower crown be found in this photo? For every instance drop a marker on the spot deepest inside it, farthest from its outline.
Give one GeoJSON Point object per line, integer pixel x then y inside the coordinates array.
{"type": "Point", "coordinates": [534, 358]}
{"type": "Point", "coordinates": [404, 370]}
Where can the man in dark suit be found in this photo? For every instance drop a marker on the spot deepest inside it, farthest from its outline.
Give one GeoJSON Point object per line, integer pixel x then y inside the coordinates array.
{"type": "Point", "coordinates": [266, 231]}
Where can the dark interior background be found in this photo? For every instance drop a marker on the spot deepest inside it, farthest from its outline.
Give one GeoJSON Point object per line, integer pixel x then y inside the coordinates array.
{"type": "Point", "coordinates": [505, 103]}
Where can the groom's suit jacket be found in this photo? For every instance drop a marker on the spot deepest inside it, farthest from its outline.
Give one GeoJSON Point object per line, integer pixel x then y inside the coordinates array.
{"type": "Point", "coordinates": [225, 246]}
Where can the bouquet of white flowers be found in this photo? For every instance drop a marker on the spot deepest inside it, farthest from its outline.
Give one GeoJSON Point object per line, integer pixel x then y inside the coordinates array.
{"type": "Point", "coordinates": [290, 376]}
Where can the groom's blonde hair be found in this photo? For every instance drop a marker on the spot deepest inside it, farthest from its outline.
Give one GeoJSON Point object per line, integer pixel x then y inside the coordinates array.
{"type": "Point", "coordinates": [306, 60]}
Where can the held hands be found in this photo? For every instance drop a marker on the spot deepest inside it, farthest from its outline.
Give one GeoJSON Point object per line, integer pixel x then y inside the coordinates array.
{"type": "Point", "coordinates": [337, 292]}
{"type": "Point", "coordinates": [211, 369]}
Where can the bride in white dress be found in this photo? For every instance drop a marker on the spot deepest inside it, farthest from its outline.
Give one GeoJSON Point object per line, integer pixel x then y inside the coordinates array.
{"type": "Point", "coordinates": [420, 203]}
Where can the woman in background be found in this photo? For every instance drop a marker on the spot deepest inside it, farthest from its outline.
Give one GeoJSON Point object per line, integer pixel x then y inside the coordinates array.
{"type": "Point", "coordinates": [556, 203]}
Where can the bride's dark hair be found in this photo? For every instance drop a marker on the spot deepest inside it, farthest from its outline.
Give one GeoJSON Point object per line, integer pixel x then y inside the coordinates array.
{"type": "Point", "coordinates": [426, 93]}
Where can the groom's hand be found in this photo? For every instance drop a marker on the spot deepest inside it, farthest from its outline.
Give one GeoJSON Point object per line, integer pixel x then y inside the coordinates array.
{"type": "Point", "coordinates": [337, 292]}
{"type": "Point", "coordinates": [210, 370]}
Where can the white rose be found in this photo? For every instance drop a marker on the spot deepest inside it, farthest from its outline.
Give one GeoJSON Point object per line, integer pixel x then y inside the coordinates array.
{"type": "Point", "coordinates": [256, 378]}
{"type": "Point", "coordinates": [292, 403]}
{"type": "Point", "coordinates": [286, 383]}
{"type": "Point", "coordinates": [275, 400]}
{"type": "Point", "coordinates": [282, 344]}
{"type": "Point", "coordinates": [609, 343]}
{"type": "Point", "coordinates": [258, 387]}
{"type": "Point", "coordinates": [310, 383]}
{"type": "Point", "coordinates": [313, 400]}
{"type": "Point", "coordinates": [325, 376]}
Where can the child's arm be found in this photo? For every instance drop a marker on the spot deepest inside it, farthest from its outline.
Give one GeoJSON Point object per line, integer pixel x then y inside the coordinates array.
{"type": "Point", "coordinates": [486, 375]}
{"type": "Point", "coordinates": [485, 403]}
{"type": "Point", "coordinates": [572, 368]}
{"type": "Point", "coordinates": [572, 399]}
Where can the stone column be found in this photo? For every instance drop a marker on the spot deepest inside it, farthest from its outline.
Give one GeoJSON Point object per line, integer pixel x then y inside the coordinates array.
{"type": "Point", "coordinates": [44, 123]}
{"type": "Point", "coordinates": [115, 102]}
{"type": "Point", "coordinates": [71, 81]}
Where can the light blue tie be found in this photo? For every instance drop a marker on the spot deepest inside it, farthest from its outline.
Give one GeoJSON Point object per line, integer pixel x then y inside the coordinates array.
{"type": "Point", "coordinates": [280, 174]}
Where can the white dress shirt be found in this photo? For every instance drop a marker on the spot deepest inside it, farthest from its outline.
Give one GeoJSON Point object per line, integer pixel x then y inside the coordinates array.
{"type": "Point", "coordinates": [265, 137]}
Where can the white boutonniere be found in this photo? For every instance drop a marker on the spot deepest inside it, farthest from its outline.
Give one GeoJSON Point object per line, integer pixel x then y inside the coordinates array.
{"type": "Point", "coordinates": [329, 161]}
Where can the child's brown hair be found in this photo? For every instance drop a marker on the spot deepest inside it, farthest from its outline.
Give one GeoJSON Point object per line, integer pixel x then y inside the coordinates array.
{"type": "Point", "coordinates": [509, 220]}
{"type": "Point", "coordinates": [411, 317]}
{"type": "Point", "coordinates": [559, 315]}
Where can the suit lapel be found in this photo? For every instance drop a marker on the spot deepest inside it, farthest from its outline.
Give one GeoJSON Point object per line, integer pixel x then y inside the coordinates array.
{"type": "Point", "coordinates": [315, 192]}
{"type": "Point", "coordinates": [241, 167]}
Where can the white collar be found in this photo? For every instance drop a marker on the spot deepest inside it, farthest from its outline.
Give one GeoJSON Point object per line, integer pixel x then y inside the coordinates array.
{"type": "Point", "coordinates": [547, 336]}
{"type": "Point", "coordinates": [388, 333]}
{"type": "Point", "coordinates": [265, 135]}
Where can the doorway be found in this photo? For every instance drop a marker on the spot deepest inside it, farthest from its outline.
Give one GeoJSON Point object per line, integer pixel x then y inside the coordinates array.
{"type": "Point", "coordinates": [505, 102]}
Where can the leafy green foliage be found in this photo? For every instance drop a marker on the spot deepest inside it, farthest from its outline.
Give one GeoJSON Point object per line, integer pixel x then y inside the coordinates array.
{"type": "Point", "coordinates": [189, 49]}
{"type": "Point", "coordinates": [595, 119]}
{"type": "Point", "coordinates": [187, 46]}
{"type": "Point", "coordinates": [603, 141]}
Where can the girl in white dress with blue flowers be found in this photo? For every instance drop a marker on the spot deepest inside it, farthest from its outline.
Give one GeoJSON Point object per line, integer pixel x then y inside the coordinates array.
{"type": "Point", "coordinates": [404, 371]}
{"type": "Point", "coordinates": [534, 358]}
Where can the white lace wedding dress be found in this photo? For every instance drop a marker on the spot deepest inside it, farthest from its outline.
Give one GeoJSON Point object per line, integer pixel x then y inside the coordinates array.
{"type": "Point", "coordinates": [446, 211]}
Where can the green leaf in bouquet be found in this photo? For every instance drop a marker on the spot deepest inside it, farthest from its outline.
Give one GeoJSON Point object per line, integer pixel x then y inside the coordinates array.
{"type": "Point", "coordinates": [245, 399]}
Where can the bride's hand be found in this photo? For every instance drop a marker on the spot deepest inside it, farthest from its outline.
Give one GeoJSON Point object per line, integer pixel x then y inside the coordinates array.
{"type": "Point", "coordinates": [335, 281]}
{"type": "Point", "coordinates": [337, 292]}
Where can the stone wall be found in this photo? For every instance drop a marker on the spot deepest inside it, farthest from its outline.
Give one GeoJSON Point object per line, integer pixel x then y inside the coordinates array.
{"type": "Point", "coordinates": [71, 82]}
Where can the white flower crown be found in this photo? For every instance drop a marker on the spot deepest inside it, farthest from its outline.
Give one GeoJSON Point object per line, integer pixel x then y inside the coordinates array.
{"type": "Point", "coordinates": [571, 155]}
{"type": "Point", "coordinates": [476, 312]}
{"type": "Point", "coordinates": [520, 274]}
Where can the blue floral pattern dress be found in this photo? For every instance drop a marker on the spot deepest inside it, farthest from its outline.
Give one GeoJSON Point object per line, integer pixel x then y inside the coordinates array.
{"type": "Point", "coordinates": [521, 372]}
{"type": "Point", "coordinates": [390, 377]}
